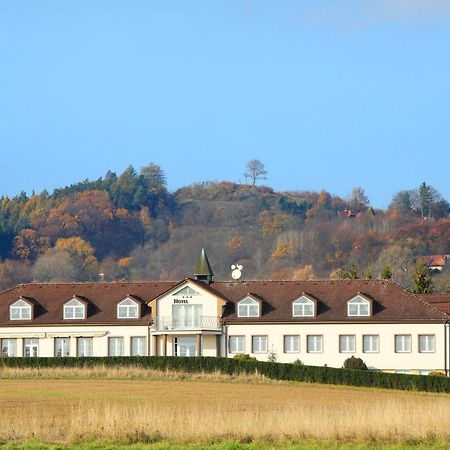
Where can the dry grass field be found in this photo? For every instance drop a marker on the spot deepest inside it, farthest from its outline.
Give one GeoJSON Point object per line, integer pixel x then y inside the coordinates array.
{"type": "Point", "coordinates": [132, 405]}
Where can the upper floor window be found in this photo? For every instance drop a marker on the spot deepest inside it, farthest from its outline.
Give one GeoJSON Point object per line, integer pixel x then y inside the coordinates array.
{"type": "Point", "coordinates": [248, 308]}
{"type": "Point", "coordinates": [403, 343]}
{"type": "Point", "coordinates": [186, 292]}
{"type": "Point", "coordinates": [303, 307]}
{"type": "Point", "coordinates": [426, 343]}
{"type": "Point", "coordinates": [127, 309]}
{"type": "Point", "coordinates": [20, 310]}
{"type": "Point", "coordinates": [74, 309]}
{"type": "Point", "coordinates": [358, 306]}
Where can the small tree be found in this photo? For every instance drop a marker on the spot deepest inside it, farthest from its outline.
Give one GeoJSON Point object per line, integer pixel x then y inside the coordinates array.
{"type": "Point", "coordinates": [387, 272]}
{"type": "Point", "coordinates": [354, 363]}
{"type": "Point", "coordinates": [255, 171]}
{"type": "Point", "coordinates": [422, 279]}
{"type": "Point", "coordinates": [350, 273]}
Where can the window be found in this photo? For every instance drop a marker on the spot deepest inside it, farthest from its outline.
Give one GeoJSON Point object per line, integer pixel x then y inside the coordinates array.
{"type": "Point", "coordinates": [30, 348]}
{"type": "Point", "coordinates": [314, 343]}
{"type": "Point", "coordinates": [347, 343]}
{"type": "Point", "coordinates": [84, 346]}
{"type": "Point", "coordinates": [403, 371]}
{"type": "Point", "coordinates": [403, 343]}
{"type": "Point", "coordinates": [62, 346]}
{"type": "Point", "coordinates": [291, 344]}
{"type": "Point", "coordinates": [127, 309]}
{"type": "Point", "coordinates": [138, 346]}
{"type": "Point", "coordinates": [9, 347]}
{"type": "Point", "coordinates": [20, 310]}
{"type": "Point", "coordinates": [259, 344]}
{"type": "Point", "coordinates": [115, 346]}
{"type": "Point", "coordinates": [74, 309]}
{"type": "Point", "coordinates": [358, 306]}
{"type": "Point", "coordinates": [186, 292]}
{"type": "Point", "coordinates": [248, 308]}
{"type": "Point", "coordinates": [303, 307]}
{"type": "Point", "coordinates": [426, 343]}
{"type": "Point", "coordinates": [371, 343]}
{"type": "Point", "coordinates": [186, 316]}
{"type": "Point", "coordinates": [236, 344]}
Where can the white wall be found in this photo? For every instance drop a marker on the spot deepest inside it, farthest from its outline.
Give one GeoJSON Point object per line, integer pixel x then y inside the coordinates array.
{"type": "Point", "coordinates": [100, 335]}
{"type": "Point", "coordinates": [386, 359]}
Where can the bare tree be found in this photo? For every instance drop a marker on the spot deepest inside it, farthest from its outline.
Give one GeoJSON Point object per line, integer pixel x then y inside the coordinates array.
{"type": "Point", "coordinates": [255, 171]}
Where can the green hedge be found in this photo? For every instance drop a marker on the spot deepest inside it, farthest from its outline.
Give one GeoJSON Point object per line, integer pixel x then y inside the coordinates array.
{"type": "Point", "coordinates": [272, 370]}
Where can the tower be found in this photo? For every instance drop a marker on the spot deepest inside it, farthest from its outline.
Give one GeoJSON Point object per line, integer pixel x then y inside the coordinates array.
{"type": "Point", "coordinates": [203, 271]}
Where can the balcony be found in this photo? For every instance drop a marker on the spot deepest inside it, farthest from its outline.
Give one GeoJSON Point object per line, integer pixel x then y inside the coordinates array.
{"type": "Point", "coordinates": [192, 323]}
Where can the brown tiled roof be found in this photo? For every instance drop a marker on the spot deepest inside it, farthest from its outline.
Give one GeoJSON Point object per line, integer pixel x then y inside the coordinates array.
{"type": "Point", "coordinates": [101, 298]}
{"type": "Point", "coordinates": [390, 301]}
{"type": "Point", "coordinates": [440, 301]}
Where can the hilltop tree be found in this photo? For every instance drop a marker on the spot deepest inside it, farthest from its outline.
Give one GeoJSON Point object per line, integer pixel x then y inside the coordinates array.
{"type": "Point", "coordinates": [255, 171]}
{"type": "Point", "coordinates": [359, 198]}
{"type": "Point", "coordinates": [422, 279]}
{"type": "Point", "coordinates": [154, 177]}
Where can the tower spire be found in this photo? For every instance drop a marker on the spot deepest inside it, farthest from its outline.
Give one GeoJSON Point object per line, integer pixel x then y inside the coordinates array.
{"type": "Point", "coordinates": [203, 271]}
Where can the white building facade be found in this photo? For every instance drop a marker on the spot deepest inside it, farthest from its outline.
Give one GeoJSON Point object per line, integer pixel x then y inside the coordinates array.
{"type": "Point", "coordinates": [320, 323]}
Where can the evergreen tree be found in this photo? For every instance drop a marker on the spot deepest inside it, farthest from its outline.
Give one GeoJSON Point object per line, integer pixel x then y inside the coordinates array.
{"type": "Point", "coordinates": [422, 279]}
{"type": "Point", "coordinates": [387, 272]}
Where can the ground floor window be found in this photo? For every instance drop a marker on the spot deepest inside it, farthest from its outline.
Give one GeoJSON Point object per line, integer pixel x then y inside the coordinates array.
{"type": "Point", "coordinates": [138, 346]}
{"type": "Point", "coordinates": [403, 343]}
{"type": "Point", "coordinates": [371, 343]}
{"type": "Point", "coordinates": [236, 344]}
{"type": "Point", "coordinates": [314, 343]}
{"type": "Point", "coordinates": [115, 346]}
{"type": "Point", "coordinates": [291, 344]}
{"type": "Point", "coordinates": [259, 344]}
{"type": "Point", "coordinates": [426, 343]}
{"type": "Point", "coordinates": [185, 346]}
{"type": "Point", "coordinates": [30, 348]}
{"type": "Point", "coordinates": [84, 346]}
{"type": "Point", "coordinates": [347, 343]}
{"type": "Point", "coordinates": [9, 347]}
{"type": "Point", "coordinates": [62, 346]}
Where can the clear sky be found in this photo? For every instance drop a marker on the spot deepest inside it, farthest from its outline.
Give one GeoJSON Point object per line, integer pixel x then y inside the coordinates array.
{"type": "Point", "coordinates": [327, 94]}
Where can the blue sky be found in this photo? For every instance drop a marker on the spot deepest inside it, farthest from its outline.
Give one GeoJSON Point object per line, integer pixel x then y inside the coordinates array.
{"type": "Point", "coordinates": [329, 95]}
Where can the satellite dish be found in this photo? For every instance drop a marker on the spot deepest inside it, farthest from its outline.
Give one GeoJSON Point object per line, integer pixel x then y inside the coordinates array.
{"type": "Point", "coordinates": [236, 271]}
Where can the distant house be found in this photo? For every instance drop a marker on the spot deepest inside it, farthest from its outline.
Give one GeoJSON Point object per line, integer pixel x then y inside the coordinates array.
{"type": "Point", "coordinates": [435, 262]}
{"type": "Point", "coordinates": [348, 214]}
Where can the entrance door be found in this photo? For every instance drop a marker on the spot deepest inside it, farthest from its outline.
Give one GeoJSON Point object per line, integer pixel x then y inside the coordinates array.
{"type": "Point", "coordinates": [185, 346]}
{"type": "Point", "coordinates": [31, 347]}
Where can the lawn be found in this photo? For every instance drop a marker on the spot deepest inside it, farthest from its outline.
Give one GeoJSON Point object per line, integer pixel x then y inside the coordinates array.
{"type": "Point", "coordinates": [83, 407]}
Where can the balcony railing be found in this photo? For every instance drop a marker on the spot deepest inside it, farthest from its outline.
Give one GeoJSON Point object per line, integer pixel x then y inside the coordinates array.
{"type": "Point", "coordinates": [192, 323]}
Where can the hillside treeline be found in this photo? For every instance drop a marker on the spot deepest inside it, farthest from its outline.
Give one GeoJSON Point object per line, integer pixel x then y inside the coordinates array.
{"type": "Point", "coordinates": [130, 227]}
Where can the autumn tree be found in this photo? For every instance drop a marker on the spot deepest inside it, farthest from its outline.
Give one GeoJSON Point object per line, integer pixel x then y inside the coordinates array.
{"type": "Point", "coordinates": [255, 171]}
{"type": "Point", "coordinates": [29, 244]}
{"type": "Point", "coordinates": [422, 280]}
{"type": "Point", "coordinates": [82, 254]}
{"type": "Point", "coordinates": [424, 199]}
{"type": "Point", "coordinates": [56, 266]}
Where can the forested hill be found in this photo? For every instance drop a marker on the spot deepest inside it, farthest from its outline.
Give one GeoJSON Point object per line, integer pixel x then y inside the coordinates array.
{"type": "Point", "coordinates": [130, 227]}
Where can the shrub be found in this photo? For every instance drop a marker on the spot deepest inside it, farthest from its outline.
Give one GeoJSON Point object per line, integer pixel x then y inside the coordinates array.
{"type": "Point", "coordinates": [354, 363]}
{"type": "Point", "coordinates": [297, 362]}
{"type": "Point", "coordinates": [437, 373]}
{"type": "Point", "coordinates": [243, 357]}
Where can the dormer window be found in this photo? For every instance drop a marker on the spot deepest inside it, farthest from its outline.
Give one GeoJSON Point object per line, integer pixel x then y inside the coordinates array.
{"type": "Point", "coordinates": [359, 306]}
{"type": "Point", "coordinates": [248, 307]}
{"type": "Point", "coordinates": [20, 310]}
{"type": "Point", "coordinates": [303, 307]}
{"type": "Point", "coordinates": [74, 309]}
{"type": "Point", "coordinates": [186, 292]}
{"type": "Point", "coordinates": [128, 309]}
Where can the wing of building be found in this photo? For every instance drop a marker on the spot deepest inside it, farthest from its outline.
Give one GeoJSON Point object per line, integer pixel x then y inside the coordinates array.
{"type": "Point", "coordinates": [317, 322]}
